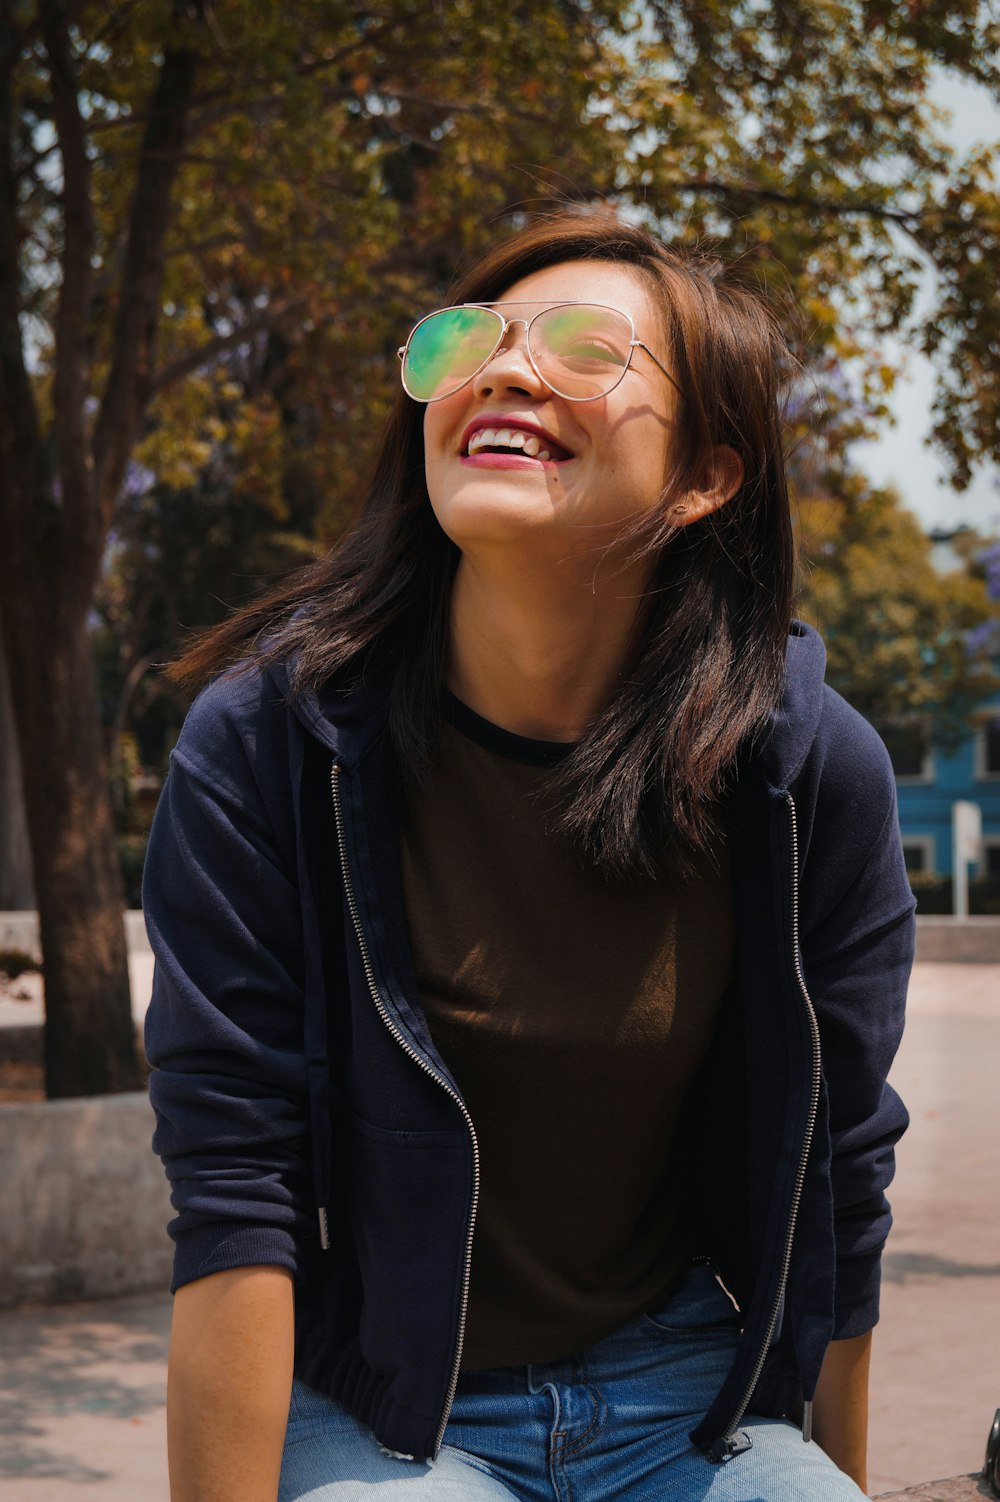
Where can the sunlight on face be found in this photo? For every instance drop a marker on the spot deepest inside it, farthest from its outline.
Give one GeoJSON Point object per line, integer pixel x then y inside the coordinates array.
{"type": "Point", "coordinates": [609, 456]}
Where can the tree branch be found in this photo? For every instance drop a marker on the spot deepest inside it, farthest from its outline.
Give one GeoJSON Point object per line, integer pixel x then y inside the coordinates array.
{"type": "Point", "coordinates": [130, 378]}
{"type": "Point", "coordinates": [911, 223]}
{"type": "Point", "coordinates": [76, 291]}
{"type": "Point", "coordinates": [456, 106]}
{"type": "Point", "coordinates": [36, 158]}
{"type": "Point", "coordinates": [203, 354]}
{"type": "Point", "coordinates": [257, 97]}
{"type": "Point", "coordinates": [198, 247]}
{"type": "Point", "coordinates": [907, 221]}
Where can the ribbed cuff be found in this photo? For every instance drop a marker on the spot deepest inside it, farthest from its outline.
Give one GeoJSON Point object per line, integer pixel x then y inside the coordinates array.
{"type": "Point", "coordinates": [217, 1248]}
{"type": "Point", "coordinates": [856, 1304]}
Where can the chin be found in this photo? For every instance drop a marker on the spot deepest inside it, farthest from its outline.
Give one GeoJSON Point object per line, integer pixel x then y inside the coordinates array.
{"type": "Point", "coordinates": [489, 514]}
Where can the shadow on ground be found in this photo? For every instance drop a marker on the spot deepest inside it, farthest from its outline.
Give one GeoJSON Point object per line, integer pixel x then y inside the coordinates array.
{"type": "Point", "coordinates": [902, 1267]}
{"type": "Point", "coordinates": [58, 1365]}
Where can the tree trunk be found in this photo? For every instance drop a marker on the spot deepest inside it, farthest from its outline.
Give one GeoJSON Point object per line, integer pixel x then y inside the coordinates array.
{"type": "Point", "coordinates": [17, 892]}
{"type": "Point", "coordinates": [89, 1036]}
{"type": "Point", "coordinates": [61, 489]}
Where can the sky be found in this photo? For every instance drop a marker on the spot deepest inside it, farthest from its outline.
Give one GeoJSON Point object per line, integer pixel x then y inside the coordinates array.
{"type": "Point", "coordinates": [901, 457]}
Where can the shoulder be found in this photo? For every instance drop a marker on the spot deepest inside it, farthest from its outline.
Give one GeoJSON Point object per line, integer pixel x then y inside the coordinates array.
{"type": "Point", "coordinates": [237, 729]}
{"type": "Point", "coordinates": [848, 756]}
{"type": "Point", "coordinates": [851, 847]}
{"type": "Point", "coordinates": [817, 746]}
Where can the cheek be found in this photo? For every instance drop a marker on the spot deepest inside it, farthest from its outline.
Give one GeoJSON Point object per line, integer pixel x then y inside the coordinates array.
{"type": "Point", "coordinates": [432, 456]}
{"type": "Point", "coordinates": [640, 466]}
{"type": "Point", "coordinates": [443, 422]}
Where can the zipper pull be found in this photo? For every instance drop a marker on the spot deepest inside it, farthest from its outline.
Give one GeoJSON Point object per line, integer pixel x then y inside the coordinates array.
{"type": "Point", "coordinates": [728, 1445]}
{"type": "Point", "coordinates": [324, 1229]}
{"type": "Point", "coordinates": [807, 1421]}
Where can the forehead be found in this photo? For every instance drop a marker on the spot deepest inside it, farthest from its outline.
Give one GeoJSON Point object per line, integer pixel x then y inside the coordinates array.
{"type": "Point", "coordinates": [586, 281]}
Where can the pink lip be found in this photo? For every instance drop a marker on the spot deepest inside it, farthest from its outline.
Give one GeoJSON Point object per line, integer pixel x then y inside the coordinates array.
{"type": "Point", "coordinates": [504, 420]}
{"type": "Point", "coordinates": [484, 460]}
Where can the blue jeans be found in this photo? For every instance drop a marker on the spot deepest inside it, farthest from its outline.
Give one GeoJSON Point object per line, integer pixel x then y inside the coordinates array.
{"type": "Point", "coordinates": [612, 1422]}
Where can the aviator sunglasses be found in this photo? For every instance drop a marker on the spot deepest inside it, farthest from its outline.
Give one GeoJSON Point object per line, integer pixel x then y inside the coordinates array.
{"type": "Point", "coordinates": [579, 350]}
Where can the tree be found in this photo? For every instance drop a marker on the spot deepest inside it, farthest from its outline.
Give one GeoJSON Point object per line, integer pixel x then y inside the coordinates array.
{"type": "Point", "coordinates": [216, 219]}
{"type": "Point", "coordinates": [244, 176]}
{"type": "Point", "coordinates": [907, 644]}
{"type": "Point", "coordinates": [804, 131]}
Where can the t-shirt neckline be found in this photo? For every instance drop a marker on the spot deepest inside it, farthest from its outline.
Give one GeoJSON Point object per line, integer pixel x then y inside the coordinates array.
{"type": "Point", "coordinates": [494, 738]}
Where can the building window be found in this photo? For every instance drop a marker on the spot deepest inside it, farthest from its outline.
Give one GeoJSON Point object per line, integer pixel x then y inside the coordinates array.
{"type": "Point", "coordinates": [988, 751]}
{"type": "Point", "coordinates": [912, 758]}
{"type": "Point", "coordinates": [918, 852]}
{"type": "Point", "coordinates": [990, 865]}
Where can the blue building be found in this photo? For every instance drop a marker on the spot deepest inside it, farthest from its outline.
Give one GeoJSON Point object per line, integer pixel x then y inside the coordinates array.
{"type": "Point", "coordinates": [928, 786]}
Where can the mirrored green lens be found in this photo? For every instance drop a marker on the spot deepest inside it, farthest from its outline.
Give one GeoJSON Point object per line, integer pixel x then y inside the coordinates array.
{"type": "Point", "coordinates": [581, 351]}
{"type": "Point", "coordinates": [447, 349]}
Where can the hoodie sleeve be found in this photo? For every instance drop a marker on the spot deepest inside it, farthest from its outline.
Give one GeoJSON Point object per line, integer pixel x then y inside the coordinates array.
{"type": "Point", "coordinates": [857, 950]}
{"type": "Point", "coordinates": [224, 1026]}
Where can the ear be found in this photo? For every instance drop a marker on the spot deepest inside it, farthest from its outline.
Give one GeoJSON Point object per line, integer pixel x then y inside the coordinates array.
{"type": "Point", "coordinates": [722, 476]}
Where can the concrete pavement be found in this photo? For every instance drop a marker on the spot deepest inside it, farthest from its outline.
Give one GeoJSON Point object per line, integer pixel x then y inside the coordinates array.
{"type": "Point", "coordinates": [82, 1390]}
{"type": "Point", "coordinates": [82, 1386]}
{"type": "Point", "coordinates": [936, 1363]}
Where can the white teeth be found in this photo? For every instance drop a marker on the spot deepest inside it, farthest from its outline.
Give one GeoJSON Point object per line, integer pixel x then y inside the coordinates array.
{"type": "Point", "coordinates": [508, 438]}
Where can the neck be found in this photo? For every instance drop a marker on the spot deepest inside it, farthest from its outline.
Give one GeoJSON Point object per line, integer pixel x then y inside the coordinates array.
{"type": "Point", "coordinates": [541, 653]}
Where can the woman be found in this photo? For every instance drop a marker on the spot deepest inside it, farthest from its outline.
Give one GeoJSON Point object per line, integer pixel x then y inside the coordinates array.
{"type": "Point", "coordinates": [532, 937]}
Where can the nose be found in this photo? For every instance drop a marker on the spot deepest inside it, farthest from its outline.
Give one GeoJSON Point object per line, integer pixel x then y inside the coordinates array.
{"type": "Point", "coordinates": [509, 369]}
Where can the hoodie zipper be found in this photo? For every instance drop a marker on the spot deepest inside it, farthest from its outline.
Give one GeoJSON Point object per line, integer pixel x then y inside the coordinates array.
{"type": "Point", "coordinates": [421, 1063]}
{"type": "Point", "coordinates": [729, 1442]}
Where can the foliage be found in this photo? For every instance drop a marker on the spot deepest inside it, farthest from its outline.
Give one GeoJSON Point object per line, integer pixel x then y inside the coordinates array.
{"type": "Point", "coordinates": [337, 169]}
{"type": "Point", "coordinates": [904, 640]}
{"type": "Point", "coordinates": [218, 219]}
{"type": "Point", "coordinates": [808, 126]}
{"type": "Point", "coordinates": [339, 162]}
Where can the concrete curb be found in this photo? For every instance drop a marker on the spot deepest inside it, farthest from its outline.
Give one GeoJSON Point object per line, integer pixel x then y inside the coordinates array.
{"type": "Point", "coordinates": [958, 1489]}
{"type": "Point", "coordinates": [20, 931]}
{"type": "Point", "coordinates": [85, 1201]}
{"type": "Point", "coordinates": [973, 941]}
{"type": "Point", "coordinates": [939, 938]}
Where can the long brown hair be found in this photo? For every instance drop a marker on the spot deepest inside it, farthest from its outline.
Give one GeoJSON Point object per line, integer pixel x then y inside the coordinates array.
{"type": "Point", "coordinates": [709, 666]}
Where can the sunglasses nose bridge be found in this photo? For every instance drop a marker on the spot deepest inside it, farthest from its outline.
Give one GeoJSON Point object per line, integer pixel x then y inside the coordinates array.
{"type": "Point", "coordinates": [506, 341]}
{"type": "Point", "coordinates": [507, 344]}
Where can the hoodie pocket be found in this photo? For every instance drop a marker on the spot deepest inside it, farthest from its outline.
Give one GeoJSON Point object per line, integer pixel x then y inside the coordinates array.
{"type": "Point", "coordinates": [411, 1193]}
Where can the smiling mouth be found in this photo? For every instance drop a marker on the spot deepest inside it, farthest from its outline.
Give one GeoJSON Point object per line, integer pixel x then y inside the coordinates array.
{"type": "Point", "coordinates": [515, 443]}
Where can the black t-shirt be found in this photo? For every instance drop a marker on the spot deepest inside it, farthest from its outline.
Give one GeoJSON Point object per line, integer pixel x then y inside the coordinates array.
{"type": "Point", "coordinates": [573, 1011]}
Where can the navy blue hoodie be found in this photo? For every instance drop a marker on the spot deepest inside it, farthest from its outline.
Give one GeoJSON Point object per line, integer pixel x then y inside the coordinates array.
{"type": "Point", "coordinates": [307, 1121]}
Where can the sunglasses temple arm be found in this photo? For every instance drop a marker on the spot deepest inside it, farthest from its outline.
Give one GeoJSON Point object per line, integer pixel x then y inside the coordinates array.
{"type": "Point", "coordinates": [639, 345]}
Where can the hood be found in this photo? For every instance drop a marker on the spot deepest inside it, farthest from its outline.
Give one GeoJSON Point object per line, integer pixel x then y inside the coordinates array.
{"type": "Point", "coordinates": [792, 725]}
{"type": "Point", "coordinates": [346, 716]}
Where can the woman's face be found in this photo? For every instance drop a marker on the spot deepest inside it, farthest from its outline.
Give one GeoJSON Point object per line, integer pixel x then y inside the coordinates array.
{"type": "Point", "coordinates": [610, 456]}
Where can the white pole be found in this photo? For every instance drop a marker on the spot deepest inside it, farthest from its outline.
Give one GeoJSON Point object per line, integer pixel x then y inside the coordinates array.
{"type": "Point", "coordinates": [966, 846]}
{"type": "Point", "coordinates": [960, 872]}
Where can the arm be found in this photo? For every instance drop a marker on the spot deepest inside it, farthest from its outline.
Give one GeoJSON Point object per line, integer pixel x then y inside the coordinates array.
{"type": "Point", "coordinates": [840, 1414]}
{"type": "Point", "coordinates": [228, 1385]}
{"type": "Point", "coordinates": [857, 949]}
{"type": "Point", "coordinates": [225, 1025]}
{"type": "Point", "coordinates": [224, 1031]}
